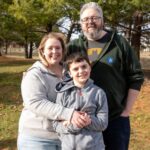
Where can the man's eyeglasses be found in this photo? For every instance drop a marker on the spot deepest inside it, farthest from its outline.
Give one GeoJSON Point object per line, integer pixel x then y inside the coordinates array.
{"type": "Point", "coordinates": [93, 18]}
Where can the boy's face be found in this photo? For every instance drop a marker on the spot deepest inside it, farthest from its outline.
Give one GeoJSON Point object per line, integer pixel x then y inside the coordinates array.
{"type": "Point", "coordinates": [80, 72]}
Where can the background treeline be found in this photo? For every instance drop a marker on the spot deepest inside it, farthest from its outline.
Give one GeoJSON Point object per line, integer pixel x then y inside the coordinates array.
{"type": "Point", "coordinates": [23, 22]}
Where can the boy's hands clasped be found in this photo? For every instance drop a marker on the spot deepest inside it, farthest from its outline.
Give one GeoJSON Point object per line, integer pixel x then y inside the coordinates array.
{"type": "Point", "coordinates": [80, 119]}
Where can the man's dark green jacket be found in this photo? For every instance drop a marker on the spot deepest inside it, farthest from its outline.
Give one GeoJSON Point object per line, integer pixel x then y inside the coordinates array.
{"type": "Point", "coordinates": [116, 70]}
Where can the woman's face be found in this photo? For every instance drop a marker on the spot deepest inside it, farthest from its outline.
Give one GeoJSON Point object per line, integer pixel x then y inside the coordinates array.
{"type": "Point", "coordinates": [53, 51]}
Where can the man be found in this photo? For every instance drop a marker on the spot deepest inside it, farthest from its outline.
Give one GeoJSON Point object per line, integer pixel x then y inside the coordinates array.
{"type": "Point", "coordinates": [115, 68]}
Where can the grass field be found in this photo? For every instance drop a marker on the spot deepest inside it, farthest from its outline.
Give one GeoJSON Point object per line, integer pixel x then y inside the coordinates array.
{"type": "Point", "coordinates": [10, 99]}
{"type": "Point", "coordinates": [11, 70]}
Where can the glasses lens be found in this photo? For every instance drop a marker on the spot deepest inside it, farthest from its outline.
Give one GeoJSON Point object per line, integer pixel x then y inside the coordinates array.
{"type": "Point", "coordinates": [87, 19]}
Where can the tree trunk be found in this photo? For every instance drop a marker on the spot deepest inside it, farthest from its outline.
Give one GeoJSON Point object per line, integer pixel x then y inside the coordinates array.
{"type": "Point", "coordinates": [75, 27]}
{"type": "Point", "coordinates": [26, 47]}
{"type": "Point", "coordinates": [49, 27]}
{"type": "Point", "coordinates": [0, 52]}
{"type": "Point", "coordinates": [70, 33]}
{"type": "Point", "coordinates": [6, 47]}
{"type": "Point", "coordinates": [0, 49]}
{"type": "Point", "coordinates": [136, 34]}
{"type": "Point", "coordinates": [128, 33]}
{"type": "Point", "coordinates": [31, 49]}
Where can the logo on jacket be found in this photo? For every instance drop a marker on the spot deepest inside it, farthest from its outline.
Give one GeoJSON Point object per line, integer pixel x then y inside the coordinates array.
{"type": "Point", "coordinates": [110, 60]}
{"type": "Point", "coordinates": [93, 53]}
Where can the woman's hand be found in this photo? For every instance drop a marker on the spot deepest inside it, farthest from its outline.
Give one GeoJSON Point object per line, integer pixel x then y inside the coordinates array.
{"type": "Point", "coordinates": [80, 119]}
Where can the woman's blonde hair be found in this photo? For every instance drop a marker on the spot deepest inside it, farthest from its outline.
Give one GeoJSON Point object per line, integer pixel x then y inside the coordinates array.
{"type": "Point", "coordinates": [59, 36]}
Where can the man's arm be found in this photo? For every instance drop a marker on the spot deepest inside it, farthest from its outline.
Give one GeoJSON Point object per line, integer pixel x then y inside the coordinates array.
{"type": "Point", "coordinates": [135, 76]}
{"type": "Point", "coordinates": [131, 98]}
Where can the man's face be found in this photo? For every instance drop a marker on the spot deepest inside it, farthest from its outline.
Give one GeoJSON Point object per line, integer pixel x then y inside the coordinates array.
{"type": "Point", "coordinates": [91, 24]}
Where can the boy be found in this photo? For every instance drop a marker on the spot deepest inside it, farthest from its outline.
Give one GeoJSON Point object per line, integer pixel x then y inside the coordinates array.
{"type": "Point", "coordinates": [82, 95]}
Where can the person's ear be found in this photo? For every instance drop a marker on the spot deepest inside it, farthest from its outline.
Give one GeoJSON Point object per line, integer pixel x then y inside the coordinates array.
{"type": "Point", "coordinates": [43, 53]}
{"type": "Point", "coordinates": [69, 74]}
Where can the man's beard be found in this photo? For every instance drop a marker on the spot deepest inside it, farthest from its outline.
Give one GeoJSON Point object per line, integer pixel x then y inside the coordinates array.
{"type": "Point", "coordinates": [95, 35]}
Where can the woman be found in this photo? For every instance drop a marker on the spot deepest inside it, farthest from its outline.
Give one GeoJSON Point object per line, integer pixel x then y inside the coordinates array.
{"type": "Point", "coordinates": [38, 93]}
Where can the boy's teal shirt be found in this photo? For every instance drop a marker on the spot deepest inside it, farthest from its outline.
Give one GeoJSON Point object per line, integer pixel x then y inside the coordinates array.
{"type": "Point", "coordinates": [116, 70]}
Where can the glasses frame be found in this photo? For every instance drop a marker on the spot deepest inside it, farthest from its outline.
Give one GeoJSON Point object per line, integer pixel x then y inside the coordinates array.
{"type": "Point", "coordinates": [92, 18]}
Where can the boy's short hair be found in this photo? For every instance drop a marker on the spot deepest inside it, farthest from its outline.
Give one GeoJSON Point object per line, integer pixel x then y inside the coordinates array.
{"type": "Point", "coordinates": [76, 57]}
